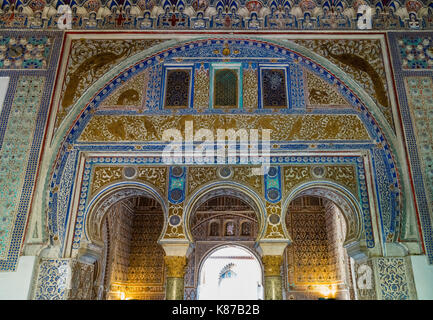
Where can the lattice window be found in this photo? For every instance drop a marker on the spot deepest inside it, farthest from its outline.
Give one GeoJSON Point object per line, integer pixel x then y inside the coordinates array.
{"type": "Point", "coordinates": [177, 88]}
{"type": "Point", "coordinates": [230, 229]}
{"type": "Point", "coordinates": [214, 229]}
{"type": "Point", "coordinates": [274, 88]}
{"type": "Point", "coordinates": [246, 229]}
{"type": "Point", "coordinates": [226, 88]}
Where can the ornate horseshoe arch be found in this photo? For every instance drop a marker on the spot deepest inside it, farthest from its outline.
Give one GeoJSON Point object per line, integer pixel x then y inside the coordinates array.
{"type": "Point", "coordinates": [82, 111]}
{"type": "Point", "coordinates": [342, 198]}
{"type": "Point", "coordinates": [101, 203]}
{"type": "Point", "coordinates": [237, 190]}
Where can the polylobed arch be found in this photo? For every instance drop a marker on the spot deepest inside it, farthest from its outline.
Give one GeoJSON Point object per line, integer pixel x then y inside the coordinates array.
{"type": "Point", "coordinates": [224, 188]}
{"type": "Point", "coordinates": [341, 197]}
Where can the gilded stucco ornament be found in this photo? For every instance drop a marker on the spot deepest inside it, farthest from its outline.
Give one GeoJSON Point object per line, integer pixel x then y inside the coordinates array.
{"type": "Point", "coordinates": [175, 266]}
{"type": "Point", "coordinates": [105, 175]}
{"type": "Point", "coordinates": [272, 265]}
{"type": "Point", "coordinates": [318, 127]}
{"type": "Point", "coordinates": [176, 231]}
{"type": "Point", "coordinates": [274, 228]}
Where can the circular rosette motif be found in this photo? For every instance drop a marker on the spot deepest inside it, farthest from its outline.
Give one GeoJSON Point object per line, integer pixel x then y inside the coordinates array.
{"type": "Point", "coordinates": [225, 172]}
{"type": "Point", "coordinates": [129, 172]}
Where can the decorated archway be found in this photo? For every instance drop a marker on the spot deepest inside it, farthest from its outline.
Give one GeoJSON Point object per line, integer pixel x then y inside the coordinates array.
{"type": "Point", "coordinates": [122, 229]}
{"type": "Point", "coordinates": [222, 188]}
{"type": "Point", "coordinates": [83, 118]}
{"type": "Point", "coordinates": [346, 147]}
{"type": "Point", "coordinates": [349, 205]}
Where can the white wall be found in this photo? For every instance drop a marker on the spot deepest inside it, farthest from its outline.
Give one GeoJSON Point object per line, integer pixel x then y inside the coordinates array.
{"type": "Point", "coordinates": [4, 82]}
{"type": "Point", "coordinates": [17, 285]}
{"type": "Point", "coordinates": [423, 275]}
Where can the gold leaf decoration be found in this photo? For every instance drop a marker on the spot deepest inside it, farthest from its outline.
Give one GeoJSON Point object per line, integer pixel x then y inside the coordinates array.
{"type": "Point", "coordinates": [90, 59]}
{"type": "Point", "coordinates": [102, 176]}
{"type": "Point", "coordinates": [157, 176]}
{"type": "Point", "coordinates": [198, 176]}
{"type": "Point", "coordinates": [317, 127]}
{"type": "Point", "coordinates": [322, 93]}
{"type": "Point", "coordinates": [175, 232]}
{"type": "Point", "coordinates": [250, 89]}
{"type": "Point", "coordinates": [362, 60]}
{"type": "Point", "coordinates": [342, 174]}
{"type": "Point", "coordinates": [129, 94]}
{"type": "Point", "coordinates": [201, 89]}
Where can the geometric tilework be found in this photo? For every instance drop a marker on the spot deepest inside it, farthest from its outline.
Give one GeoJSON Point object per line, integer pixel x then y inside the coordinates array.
{"type": "Point", "coordinates": [52, 279]}
{"type": "Point", "coordinates": [15, 152]}
{"type": "Point", "coordinates": [24, 52]}
{"type": "Point", "coordinates": [394, 278]}
{"type": "Point", "coordinates": [420, 100]}
{"type": "Point", "coordinates": [22, 127]}
{"type": "Point", "coordinates": [416, 52]}
{"type": "Point", "coordinates": [408, 122]}
{"type": "Point", "coordinates": [386, 197]}
{"type": "Point", "coordinates": [63, 195]}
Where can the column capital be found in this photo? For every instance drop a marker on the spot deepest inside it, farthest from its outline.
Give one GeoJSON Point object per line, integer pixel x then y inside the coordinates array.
{"type": "Point", "coordinates": [176, 248]}
{"type": "Point", "coordinates": [272, 248]}
{"type": "Point", "coordinates": [272, 265]}
{"type": "Point", "coordinates": [175, 266]}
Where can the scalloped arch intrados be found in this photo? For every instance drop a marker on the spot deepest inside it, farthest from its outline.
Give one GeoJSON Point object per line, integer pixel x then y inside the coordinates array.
{"type": "Point", "coordinates": [112, 194]}
{"type": "Point", "coordinates": [343, 199]}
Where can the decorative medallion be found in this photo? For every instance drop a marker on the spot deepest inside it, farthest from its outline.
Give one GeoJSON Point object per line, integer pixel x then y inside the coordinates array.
{"type": "Point", "coordinates": [318, 171]}
{"type": "Point", "coordinates": [274, 218]}
{"type": "Point", "coordinates": [225, 172]}
{"type": "Point", "coordinates": [129, 172]}
{"type": "Point", "coordinates": [174, 220]}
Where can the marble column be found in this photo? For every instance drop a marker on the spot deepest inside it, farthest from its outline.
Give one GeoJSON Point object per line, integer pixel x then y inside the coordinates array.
{"type": "Point", "coordinates": [175, 261]}
{"type": "Point", "coordinates": [174, 286]}
{"type": "Point", "coordinates": [273, 280]}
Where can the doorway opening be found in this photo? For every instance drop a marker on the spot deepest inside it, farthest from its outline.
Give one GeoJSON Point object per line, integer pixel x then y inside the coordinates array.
{"type": "Point", "coordinates": [230, 273]}
{"type": "Point", "coordinates": [133, 265]}
{"type": "Point", "coordinates": [317, 264]}
{"type": "Point", "coordinates": [224, 226]}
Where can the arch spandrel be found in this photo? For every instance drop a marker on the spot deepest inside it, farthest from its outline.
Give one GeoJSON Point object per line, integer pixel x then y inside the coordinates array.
{"type": "Point", "coordinates": [78, 118]}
